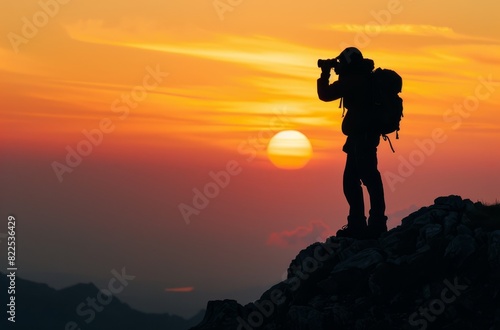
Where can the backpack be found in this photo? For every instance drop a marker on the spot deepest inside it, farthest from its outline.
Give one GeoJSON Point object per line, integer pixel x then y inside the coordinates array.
{"type": "Point", "coordinates": [387, 105]}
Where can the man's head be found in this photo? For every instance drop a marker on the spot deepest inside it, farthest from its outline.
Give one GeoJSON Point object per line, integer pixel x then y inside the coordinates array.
{"type": "Point", "coordinates": [351, 60]}
{"type": "Point", "coordinates": [350, 55]}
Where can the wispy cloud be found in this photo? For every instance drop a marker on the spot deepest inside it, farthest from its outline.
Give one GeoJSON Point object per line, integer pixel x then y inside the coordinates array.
{"type": "Point", "coordinates": [301, 236]}
{"type": "Point", "coordinates": [180, 289]}
{"type": "Point", "coordinates": [421, 30]}
{"type": "Point", "coordinates": [257, 50]}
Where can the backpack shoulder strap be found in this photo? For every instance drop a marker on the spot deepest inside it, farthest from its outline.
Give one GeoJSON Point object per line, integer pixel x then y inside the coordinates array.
{"type": "Point", "coordinates": [386, 138]}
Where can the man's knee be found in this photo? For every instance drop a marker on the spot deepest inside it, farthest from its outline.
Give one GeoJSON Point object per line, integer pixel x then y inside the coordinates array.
{"type": "Point", "coordinates": [371, 178]}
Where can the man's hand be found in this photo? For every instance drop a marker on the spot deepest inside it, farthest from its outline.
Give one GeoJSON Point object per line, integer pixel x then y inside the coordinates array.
{"type": "Point", "coordinates": [325, 72]}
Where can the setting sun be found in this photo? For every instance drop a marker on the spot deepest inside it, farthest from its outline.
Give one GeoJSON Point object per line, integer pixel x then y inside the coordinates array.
{"type": "Point", "coordinates": [289, 150]}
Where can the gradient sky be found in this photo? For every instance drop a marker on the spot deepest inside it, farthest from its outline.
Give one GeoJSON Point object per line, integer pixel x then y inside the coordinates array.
{"type": "Point", "coordinates": [171, 91]}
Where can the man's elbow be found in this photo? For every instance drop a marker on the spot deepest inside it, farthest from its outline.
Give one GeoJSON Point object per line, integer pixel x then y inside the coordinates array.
{"type": "Point", "coordinates": [325, 97]}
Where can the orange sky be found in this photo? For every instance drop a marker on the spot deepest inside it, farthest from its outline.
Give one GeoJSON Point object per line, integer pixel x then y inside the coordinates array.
{"type": "Point", "coordinates": [173, 90]}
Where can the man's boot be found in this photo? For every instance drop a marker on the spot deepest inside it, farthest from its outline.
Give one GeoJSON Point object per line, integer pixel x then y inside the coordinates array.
{"type": "Point", "coordinates": [376, 226]}
{"type": "Point", "coordinates": [355, 228]}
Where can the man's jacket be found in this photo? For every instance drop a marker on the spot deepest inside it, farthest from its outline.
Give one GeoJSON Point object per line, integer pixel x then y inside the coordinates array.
{"type": "Point", "coordinates": [354, 89]}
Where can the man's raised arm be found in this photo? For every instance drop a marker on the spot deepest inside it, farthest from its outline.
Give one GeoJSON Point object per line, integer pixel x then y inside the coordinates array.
{"type": "Point", "coordinates": [327, 92]}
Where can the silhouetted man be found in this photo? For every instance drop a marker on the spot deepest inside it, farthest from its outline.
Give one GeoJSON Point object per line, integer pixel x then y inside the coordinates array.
{"type": "Point", "coordinates": [353, 86]}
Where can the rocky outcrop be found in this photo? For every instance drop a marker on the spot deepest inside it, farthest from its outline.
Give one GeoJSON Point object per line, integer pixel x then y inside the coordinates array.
{"type": "Point", "coordinates": [440, 269]}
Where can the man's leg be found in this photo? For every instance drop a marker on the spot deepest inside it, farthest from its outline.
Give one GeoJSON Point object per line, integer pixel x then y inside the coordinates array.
{"type": "Point", "coordinates": [372, 179]}
{"type": "Point", "coordinates": [356, 221]}
{"type": "Point", "coordinates": [352, 187]}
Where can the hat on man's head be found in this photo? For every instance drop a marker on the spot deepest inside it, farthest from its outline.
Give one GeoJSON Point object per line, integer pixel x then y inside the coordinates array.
{"type": "Point", "coordinates": [350, 55]}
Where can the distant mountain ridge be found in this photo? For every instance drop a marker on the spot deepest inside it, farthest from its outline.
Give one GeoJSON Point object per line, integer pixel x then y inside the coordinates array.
{"type": "Point", "coordinates": [440, 269]}
{"type": "Point", "coordinates": [40, 307]}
